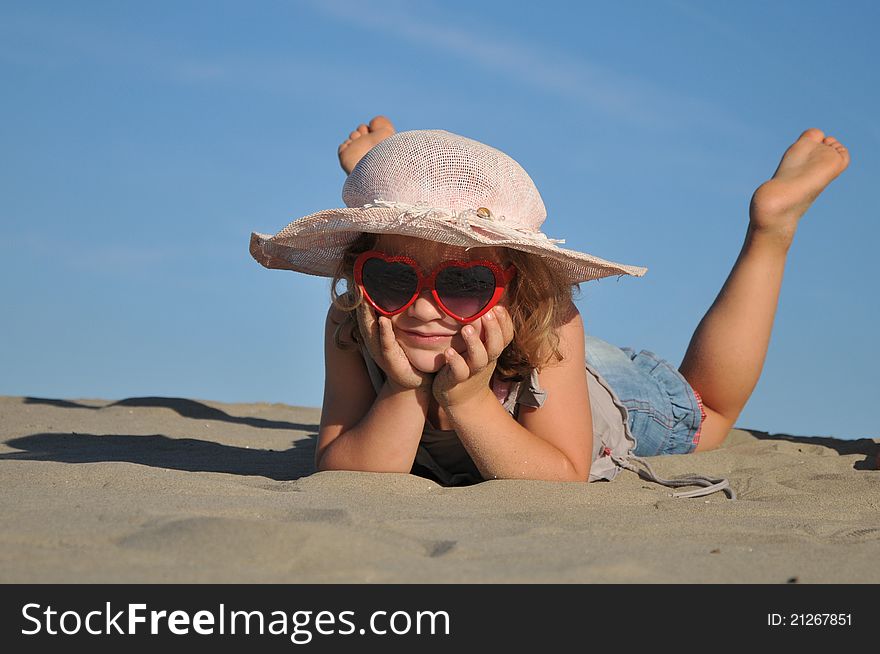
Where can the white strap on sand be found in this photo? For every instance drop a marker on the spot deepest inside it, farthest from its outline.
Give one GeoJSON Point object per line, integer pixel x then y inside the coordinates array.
{"type": "Point", "coordinates": [709, 484]}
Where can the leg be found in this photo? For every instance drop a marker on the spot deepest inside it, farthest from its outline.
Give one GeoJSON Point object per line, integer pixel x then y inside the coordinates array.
{"type": "Point", "coordinates": [361, 140]}
{"type": "Point", "coordinates": [728, 348]}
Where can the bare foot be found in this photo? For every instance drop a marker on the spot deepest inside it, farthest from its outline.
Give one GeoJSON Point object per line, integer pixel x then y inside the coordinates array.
{"type": "Point", "coordinates": [361, 140]}
{"type": "Point", "coordinates": [807, 167]}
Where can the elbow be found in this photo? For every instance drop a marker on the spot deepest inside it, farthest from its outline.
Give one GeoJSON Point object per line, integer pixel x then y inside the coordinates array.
{"type": "Point", "coordinates": [333, 456]}
{"type": "Point", "coordinates": [338, 459]}
{"type": "Point", "coordinates": [322, 464]}
{"type": "Point", "coordinates": [321, 461]}
{"type": "Point", "coordinates": [326, 460]}
{"type": "Point", "coordinates": [582, 468]}
{"type": "Point", "coordinates": [574, 472]}
{"type": "Point", "coordinates": [574, 469]}
{"type": "Point", "coordinates": [566, 470]}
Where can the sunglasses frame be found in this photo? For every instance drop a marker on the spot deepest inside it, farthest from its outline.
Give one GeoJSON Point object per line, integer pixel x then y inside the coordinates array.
{"type": "Point", "coordinates": [502, 278]}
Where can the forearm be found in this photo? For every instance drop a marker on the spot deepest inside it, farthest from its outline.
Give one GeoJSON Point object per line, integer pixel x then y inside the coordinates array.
{"type": "Point", "coordinates": [385, 439]}
{"type": "Point", "coordinates": [501, 448]}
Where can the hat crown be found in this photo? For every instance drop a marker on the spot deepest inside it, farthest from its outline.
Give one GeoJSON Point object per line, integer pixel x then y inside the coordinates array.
{"type": "Point", "coordinates": [438, 169]}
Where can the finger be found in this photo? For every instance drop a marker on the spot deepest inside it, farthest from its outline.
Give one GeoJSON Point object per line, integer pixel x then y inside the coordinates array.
{"type": "Point", "coordinates": [386, 336]}
{"type": "Point", "coordinates": [458, 368]}
{"type": "Point", "coordinates": [493, 337]}
{"type": "Point", "coordinates": [477, 357]}
{"type": "Point", "coordinates": [368, 323]}
{"type": "Point", "coordinates": [375, 343]}
{"type": "Point", "coordinates": [502, 315]}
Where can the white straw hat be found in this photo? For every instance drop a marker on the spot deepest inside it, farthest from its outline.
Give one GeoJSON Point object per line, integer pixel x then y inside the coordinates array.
{"type": "Point", "coordinates": [433, 185]}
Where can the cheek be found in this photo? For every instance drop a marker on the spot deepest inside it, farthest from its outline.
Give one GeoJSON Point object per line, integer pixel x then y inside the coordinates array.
{"type": "Point", "coordinates": [425, 360]}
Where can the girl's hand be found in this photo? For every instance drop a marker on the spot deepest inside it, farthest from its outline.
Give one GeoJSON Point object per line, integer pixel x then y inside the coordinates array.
{"type": "Point", "coordinates": [464, 378]}
{"type": "Point", "coordinates": [387, 353]}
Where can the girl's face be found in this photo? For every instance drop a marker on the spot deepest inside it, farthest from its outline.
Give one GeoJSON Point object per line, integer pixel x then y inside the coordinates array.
{"type": "Point", "coordinates": [423, 330]}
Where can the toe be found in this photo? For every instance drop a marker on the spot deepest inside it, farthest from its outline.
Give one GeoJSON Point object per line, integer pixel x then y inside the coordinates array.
{"type": "Point", "coordinates": [355, 134]}
{"type": "Point", "coordinates": [832, 142]}
{"type": "Point", "coordinates": [363, 129]}
{"type": "Point", "coordinates": [380, 122]}
{"type": "Point", "coordinates": [813, 134]}
{"type": "Point", "coordinates": [839, 148]}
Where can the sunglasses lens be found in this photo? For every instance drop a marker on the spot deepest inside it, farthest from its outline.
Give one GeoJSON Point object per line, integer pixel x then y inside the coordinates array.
{"type": "Point", "coordinates": [390, 284]}
{"type": "Point", "coordinates": [465, 291]}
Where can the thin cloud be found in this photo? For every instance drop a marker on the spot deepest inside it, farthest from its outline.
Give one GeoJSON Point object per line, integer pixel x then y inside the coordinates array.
{"type": "Point", "coordinates": [580, 81]}
{"type": "Point", "coordinates": [45, 42]}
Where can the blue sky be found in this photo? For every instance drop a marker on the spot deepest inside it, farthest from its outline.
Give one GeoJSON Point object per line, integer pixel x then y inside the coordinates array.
{"type": "Point", "coordinates": [141, 143]}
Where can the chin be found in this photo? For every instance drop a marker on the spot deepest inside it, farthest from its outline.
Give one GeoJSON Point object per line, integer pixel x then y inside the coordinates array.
{"type": "Point", "coordinates": [425, 360]}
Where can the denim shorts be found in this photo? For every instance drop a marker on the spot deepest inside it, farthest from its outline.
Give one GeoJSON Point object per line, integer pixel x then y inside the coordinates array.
{"type": "Point", "coordinates": [663, 411]}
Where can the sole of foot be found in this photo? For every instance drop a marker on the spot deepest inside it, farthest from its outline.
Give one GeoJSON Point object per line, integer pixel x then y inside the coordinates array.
{"type": "Point", "coordinates": [361, 140]}
{"type": "Point", "coordinates": [807, 167]}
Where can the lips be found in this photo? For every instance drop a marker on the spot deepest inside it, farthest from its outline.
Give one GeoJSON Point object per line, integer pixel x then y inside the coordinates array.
{"type": "Point", "coordinates": [425, 337]}
{"type": "Point", "coordinates": [426, 334]}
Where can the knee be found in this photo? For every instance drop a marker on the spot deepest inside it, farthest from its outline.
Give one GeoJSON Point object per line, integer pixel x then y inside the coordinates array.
{"type": "Point", "coordinates": [713, 430]}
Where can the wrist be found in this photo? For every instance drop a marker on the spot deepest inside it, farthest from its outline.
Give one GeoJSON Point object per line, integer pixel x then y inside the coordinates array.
{"type": "Point", "coordinates": [422, 392]}
{"type": "Point", "coordinates": [471, 402]}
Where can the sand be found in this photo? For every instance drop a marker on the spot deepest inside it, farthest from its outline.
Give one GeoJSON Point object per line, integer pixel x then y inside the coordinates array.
{"type": "Point", "coordinates": [175, 490]}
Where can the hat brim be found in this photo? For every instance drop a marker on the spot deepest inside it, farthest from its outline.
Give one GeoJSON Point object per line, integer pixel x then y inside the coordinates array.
{"type": "Point", "coordinates": [315, 244]}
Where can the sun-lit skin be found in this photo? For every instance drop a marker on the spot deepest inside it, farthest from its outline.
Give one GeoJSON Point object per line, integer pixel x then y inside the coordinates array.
{"type": "Point", "coordinates": [424, 315]}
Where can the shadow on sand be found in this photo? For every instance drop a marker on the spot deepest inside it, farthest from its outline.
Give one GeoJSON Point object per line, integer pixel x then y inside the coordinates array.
{"type": "Point", "coordinates": [183, 407]}
{"type": "Point", "coordinates": [160, 451]}
{"type": "Point", "coordinates": [157, 450]}
{"type": "Point", "coordinates": [865, 446]}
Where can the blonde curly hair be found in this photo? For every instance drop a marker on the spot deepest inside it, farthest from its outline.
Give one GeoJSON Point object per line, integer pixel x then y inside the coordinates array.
{"type": "Point", "coordinates": [539, 301]}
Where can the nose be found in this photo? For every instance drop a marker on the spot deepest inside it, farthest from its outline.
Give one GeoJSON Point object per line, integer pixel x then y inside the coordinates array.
{"type": "Point", "coordinates": [425, 308]}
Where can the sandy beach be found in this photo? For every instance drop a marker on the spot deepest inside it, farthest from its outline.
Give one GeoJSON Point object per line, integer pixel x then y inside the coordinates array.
{"type": "Point", "coordinates": [175, 490]}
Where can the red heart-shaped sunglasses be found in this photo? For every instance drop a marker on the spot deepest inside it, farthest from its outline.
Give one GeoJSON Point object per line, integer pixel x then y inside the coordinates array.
{"type": "Point", "coordinates": [464, 290]}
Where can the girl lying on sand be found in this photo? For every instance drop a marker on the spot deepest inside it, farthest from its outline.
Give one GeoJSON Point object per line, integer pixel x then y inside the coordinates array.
{"type": "Point", "coordinates": [456, 351]}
